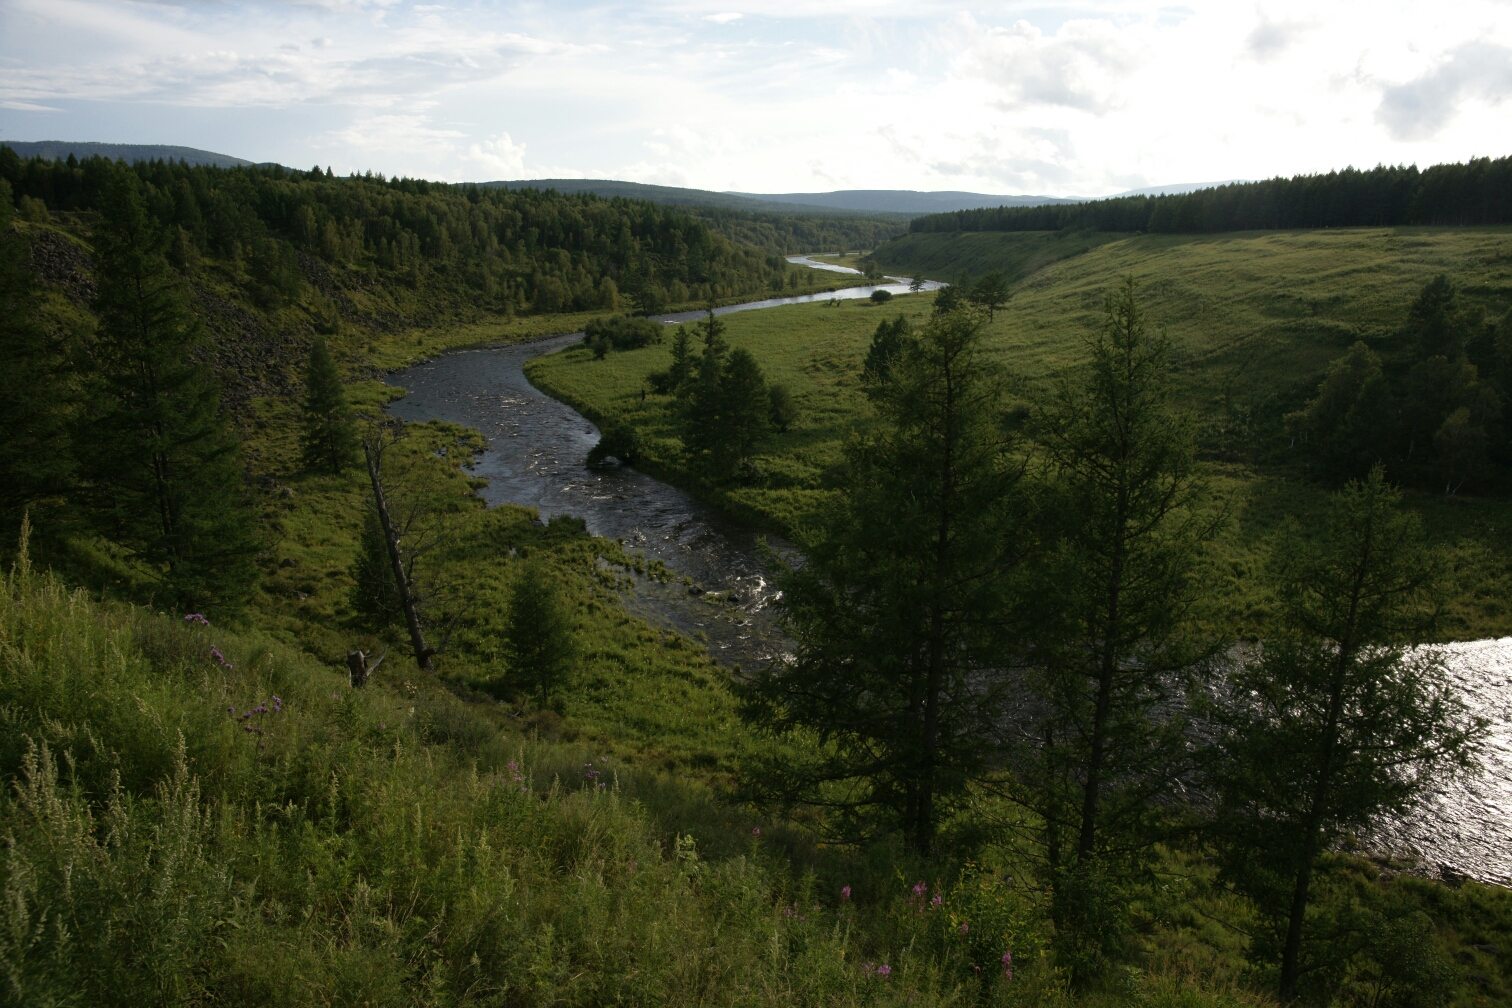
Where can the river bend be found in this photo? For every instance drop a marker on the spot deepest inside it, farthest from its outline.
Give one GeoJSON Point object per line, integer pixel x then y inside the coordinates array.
{"type": "Point", "coordinates": [536, 457]}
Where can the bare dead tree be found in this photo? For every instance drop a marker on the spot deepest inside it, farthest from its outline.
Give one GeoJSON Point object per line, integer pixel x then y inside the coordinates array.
{"type": "Point", "coordinates": [415, 526]}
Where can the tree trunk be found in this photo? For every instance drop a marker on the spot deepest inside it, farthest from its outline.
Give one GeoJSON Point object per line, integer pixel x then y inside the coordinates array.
{"type": "Point", "coordinates": [1291, 952]}
{"type": "Point", "coordinates": [401, 582]}
{"type": "Point", "coordinates": [1109, 668]}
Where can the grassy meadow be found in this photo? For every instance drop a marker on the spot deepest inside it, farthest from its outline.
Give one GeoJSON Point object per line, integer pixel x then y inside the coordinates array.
{"type": "Point", "coordinates": [1254, 319]}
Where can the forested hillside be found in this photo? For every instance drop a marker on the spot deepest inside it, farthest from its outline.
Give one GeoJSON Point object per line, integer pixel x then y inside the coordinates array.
{"type": "Point", "coordinates": [1476, 192]}
{"type": "Point", "coordinates": [790, 234]}
{"type": "Point", "coordinates": [468, 248]}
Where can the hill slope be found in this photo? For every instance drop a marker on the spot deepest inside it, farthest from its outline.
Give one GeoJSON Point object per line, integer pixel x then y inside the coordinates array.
{"type": "Point", "coordinates": [1255, 319]}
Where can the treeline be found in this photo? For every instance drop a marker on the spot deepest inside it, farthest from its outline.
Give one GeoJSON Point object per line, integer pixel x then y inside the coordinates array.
{"type": "Point", "coordinates": [1431, 409]}
{"type": "Point", "coordinates": [997, 627]}
{"type": "Point", "coordinates": [509, 250]}
{"type": "Point", "coordinates": [1476, 192]}
{"type": "Point", "coordinates": [787, 235]}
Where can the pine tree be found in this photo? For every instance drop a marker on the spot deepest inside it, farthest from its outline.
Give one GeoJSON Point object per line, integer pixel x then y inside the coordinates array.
{"type": "Point", "coordinates": [682, 362]}
{"type": "Point", "coordinates": [703, 399]}
{"type": "Point", "coordinates": [745, 410]}
{"type": "Point", "coordinates": [1127, 500]}
{"type": "Point", "coordinates": [1338, 721]}
{"type": "Point", "coordinates": [373, 596]}
{"type": "Point", "coordinates": [887, 342]}
{"type": "Point", "coordinates": [784, 413]}
{"type": "Point", "coordinates": [901, 610]}
{"type": "Point", "coordinates": [164, 473]}
{"type": "Point", "coordinates": [540, 641]}
{"type": "Point", "coordinates": [330, 434]}
{"type": "Point", "coordinates": [35, 458]}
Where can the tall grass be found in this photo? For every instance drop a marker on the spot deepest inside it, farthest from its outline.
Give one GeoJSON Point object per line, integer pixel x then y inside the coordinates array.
{"type": "Point", "coordinates": [182, 828]}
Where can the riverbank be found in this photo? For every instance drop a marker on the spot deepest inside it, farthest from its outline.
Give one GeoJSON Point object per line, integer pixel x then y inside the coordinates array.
{"type": "Point", "coordinates": [1237, 394]}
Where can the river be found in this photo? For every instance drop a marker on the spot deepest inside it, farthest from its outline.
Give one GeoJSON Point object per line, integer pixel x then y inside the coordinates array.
{"type": "Point", "coordinates": [536, 457]}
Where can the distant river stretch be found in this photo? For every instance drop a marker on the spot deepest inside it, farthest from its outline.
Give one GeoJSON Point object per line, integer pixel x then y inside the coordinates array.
{"type": "Point", "coordinates": [536, 457]}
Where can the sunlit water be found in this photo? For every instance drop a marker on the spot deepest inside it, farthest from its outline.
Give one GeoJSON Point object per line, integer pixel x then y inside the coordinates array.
{"type": "Point", "coordinates": [537, 450]}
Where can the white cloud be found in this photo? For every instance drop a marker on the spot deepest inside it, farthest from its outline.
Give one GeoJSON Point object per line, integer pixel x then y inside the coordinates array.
{"type": "Point", "coordinates": [1084, 65]}
{"type": "Point", "coordinates": [1086, 98]}
{"type": "Point", "coordinates": [501, 159]}
{"type": "Point", "coordinates": [1423, 107]}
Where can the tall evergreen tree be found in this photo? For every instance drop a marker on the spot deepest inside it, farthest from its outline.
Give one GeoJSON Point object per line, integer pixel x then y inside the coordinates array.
{"type": "Point", "coordinates": [683, 362]}
{"type": "Point", "coordinates": [540, 642]}
{"type": "Point", "coordinates": [164, 473]}
{"type": "Point", "coordinates": [703, 428]}
{"type": "Point", "coordinates": [744, 412]}
{"type": "Point", "coordinates": [886, 343]}
{"type": "Point", "coordinates": [330, 434]}
{"type": "Point", "coordinates": [899, 610]}
{"type": "Point", "coordinates": [1337, 722]}
{"type": "Point", "coordinates": [1127, 497]}
{"type": "Point", "coordinates": [35, 457]}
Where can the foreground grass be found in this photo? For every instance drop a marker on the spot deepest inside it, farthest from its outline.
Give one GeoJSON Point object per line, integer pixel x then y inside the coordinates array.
{"type": "Point", "coordinates": [1254, 318]}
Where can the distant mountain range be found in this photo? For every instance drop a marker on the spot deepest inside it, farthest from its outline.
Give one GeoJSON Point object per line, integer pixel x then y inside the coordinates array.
{"type": "Point", "coordinates": [870, 202]}
{"type": "Point", "coordinates": [60, 149]}
{"type": "Point", "coordinates": [867, 201]}
{"type": "Point", "coordinates": [693, 197]}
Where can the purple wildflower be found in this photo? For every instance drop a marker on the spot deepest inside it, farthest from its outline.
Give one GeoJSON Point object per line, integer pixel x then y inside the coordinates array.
{"type": "Point", "coordinates": [1007, 965]}
{"type": "Point", "coordinates": [382, 725]}
{"type": "Point", "coordinates": [230, 710]}
{"type": "Point", "coordinates": [964, 927]}
{"type": "Point", "coordinates": [938, 899]}
{"type": "Point", "coordinates": [845, 894]}
{"type": "Point", "coordinates": [884, 970]}
{"type": "Point", "coordinates": [196, 618]}
{"type": "Point", "coordinates": [756, 831]}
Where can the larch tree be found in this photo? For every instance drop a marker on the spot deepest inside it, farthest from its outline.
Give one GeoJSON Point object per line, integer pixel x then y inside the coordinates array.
{"type": "Point", "coordinates": [1126, 504]}
{"type": "Point", "coordinates": [1341, 718]}
{"type": "Point", "coordinates": [540, 640]}
{"type": "Point", "coordinates": [329, 439]}
{"type": "Point", "coordinates": [35, 391]}
{"type": "Point", "coordinates": [163, 469]}
{"type": "Point", "coordinates": [899, 611]}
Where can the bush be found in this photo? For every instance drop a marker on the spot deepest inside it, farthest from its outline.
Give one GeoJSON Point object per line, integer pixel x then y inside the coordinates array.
{"type": "Point", "coordinates": [621, 332]}
{"type": "Point", "coordinates": [881, 296]}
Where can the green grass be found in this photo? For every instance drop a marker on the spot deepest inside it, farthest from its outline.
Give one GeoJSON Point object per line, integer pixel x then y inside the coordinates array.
{"type": "Point", "coordinates": [1253, 318]}
{"type": "Point", "coordinates": [177, 836]}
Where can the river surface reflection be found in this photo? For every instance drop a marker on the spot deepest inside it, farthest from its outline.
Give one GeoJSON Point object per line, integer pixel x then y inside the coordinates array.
{"type": "Point", "coordinates": [536, 457]}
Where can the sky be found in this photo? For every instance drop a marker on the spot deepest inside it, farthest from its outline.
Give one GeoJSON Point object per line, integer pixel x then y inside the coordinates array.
{"type": "Point", "coordinates": [1079, 99]}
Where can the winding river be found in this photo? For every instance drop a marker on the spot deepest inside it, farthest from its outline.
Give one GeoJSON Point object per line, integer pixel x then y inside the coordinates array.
{"type": "Point", "coordinates": [722, 597]}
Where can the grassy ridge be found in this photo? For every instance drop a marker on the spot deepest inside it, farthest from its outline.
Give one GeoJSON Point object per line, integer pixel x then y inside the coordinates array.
{"type": "Point", "coordinates": [1254, 318]}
